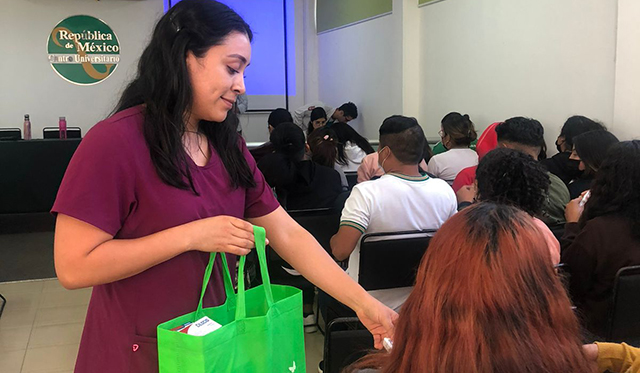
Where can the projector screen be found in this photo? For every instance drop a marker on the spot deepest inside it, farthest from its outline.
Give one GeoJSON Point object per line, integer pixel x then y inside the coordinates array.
{"type": "Point", "coordinates": [270, 79]}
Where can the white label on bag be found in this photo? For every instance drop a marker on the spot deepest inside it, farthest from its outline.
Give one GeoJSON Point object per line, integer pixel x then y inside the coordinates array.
{"type": "Point", "coordinates": [201, 327]}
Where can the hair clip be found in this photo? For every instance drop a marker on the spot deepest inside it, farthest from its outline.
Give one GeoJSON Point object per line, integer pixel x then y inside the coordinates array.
{"type": "Point", "coordinates": [174, 23]}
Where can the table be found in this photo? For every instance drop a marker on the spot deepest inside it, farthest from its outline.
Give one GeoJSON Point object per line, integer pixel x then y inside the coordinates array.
{"type": "Point", "coordinates": [31, 172]}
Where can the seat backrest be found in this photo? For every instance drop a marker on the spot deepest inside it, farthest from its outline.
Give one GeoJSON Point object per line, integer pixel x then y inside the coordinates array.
{"type": "Point", "coordinates": [54, 133]}
{"type": "Point", "coordinates": [390, 260]}
{"type": "Point", "coordinates": [352, 178]}
{"type": "Point", "coordinates": [346, 341]}
{"type": "Point", "coordinates": [10, 134]}
{"type": "Point", "coordinates": [624, 321]}
{"type": "Point", "coordinates": [321, 223]}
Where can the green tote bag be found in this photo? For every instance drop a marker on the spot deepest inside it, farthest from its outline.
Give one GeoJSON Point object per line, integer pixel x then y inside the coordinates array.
{"type": "Point", "coordinates": [261, 329]}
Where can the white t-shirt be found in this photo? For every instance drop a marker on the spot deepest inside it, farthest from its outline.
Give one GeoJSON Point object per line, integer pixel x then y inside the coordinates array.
{"type": "Point", "coordinates": [447, 165]}
{"type": "Point", "coordinates": [354, 155]}
{"type": "Point", "coordinates": [302, 116]}
{"type": "Point", "coordinates": [395, 203]}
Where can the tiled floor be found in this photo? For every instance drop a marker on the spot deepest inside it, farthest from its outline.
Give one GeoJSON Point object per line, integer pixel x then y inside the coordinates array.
{"type": "Point", "coordinates": [41, 326]}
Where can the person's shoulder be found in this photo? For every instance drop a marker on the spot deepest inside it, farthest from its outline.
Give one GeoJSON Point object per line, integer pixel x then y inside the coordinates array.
{"type": "Point", "coordinates": [435, 182]}
{"type": "Point", "coordinates": [370, 159]}
{"type": "Point", "coordinates": [371, 187]}
{"type": "Point", "coordinates": [124, 120]}
{"type": "Point", "coordinates": [324, 170]}
{"type": "Point", "coordinates": [557, 183]}
{"type": "Point", "coordinates": [607, 223]}
{"type": "Point", "coordinates": [120, 129]}
{"type": "Point", "coordinates": [434, 185]}
{"type": "Point", "coordinates": [270, 159]}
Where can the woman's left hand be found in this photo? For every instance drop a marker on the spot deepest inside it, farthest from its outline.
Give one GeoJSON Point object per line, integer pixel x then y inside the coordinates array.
{"type": "Point", "coordinates": [379, 319]}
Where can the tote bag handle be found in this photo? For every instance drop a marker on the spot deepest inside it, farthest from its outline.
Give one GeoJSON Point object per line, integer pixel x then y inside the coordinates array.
{"type": "Point", "coordinates": [260, 237]}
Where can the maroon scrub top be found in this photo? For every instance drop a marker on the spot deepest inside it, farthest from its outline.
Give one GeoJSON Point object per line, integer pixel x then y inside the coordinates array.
{"type": "Point", "coordinates": [112, 184]}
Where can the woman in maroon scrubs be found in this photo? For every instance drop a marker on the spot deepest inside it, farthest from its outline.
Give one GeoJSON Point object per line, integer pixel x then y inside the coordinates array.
{"type": "Point", "coordinates": [166, 180]}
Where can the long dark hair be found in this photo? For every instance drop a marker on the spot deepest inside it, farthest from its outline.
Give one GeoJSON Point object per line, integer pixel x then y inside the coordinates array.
{"type": "Point", "coordinates": [508, 313]}
{"type": "Point", "coordinates": [316, 114]}
{"type": "Point", "coordinates": [162, 84]}
{"type": "Point", "coordinates": [592, 149]}
{"type": "Point", "coordinates": [323, 144]}
{"type": "Point", "coordinates": [615, 188]}
{"type": "Point", "coordinates": [282, 168]}
{"type": "Point", "coordinates": [346, 133]}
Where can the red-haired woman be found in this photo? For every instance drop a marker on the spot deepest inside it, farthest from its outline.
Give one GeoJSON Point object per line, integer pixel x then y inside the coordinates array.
{"type": "Point", "coordinates": [486, 300]}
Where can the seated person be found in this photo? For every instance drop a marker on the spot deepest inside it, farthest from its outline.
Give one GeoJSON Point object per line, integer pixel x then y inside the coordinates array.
{"type": "Point", "coordinates": [344, 114]}
{"type": "Point", "coordinates": [323, 146]}
{"type": "Point", "coordinates": [605, 236]}
{"type": "Point", "coordinates": [486, 143]}
{"type": "Point", "coordinates": [561, 164]}
{"type": "Point", "coordinates": [590, 149]}
{"type": "Point", "coordinates": [457, 133]}
{"type": "Point", "coordinates": [508, 176]}
{"type": "Point", "coordinates": [276, 117]}
{"type": "Point", "coordinates": [401, 200]}
{"type": "Point", "coordinates": [485, 300]}
{"type": "Point", "coordinates": [370, 168]}
{"type": "Point", "coordinates": [299, 184]}
{"type": "Point", "coordinates": [527, 135]}
{"type": "Point", "coordinates": [352, 147]}
{"type": "Point", "coordinates": [318, 120]}
{"type": "Point", "coordinates": [614, 357]}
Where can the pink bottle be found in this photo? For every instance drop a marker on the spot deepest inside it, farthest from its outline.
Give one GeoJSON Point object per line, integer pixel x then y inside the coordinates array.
{"type": "Point", "coordinates": [27, 127]}
{"type": "Point", "coordinates": [62, 126]}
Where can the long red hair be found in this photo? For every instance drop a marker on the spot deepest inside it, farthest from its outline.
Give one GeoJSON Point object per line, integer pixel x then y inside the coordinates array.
{"type": "Point", "coordinates": [486, 300]}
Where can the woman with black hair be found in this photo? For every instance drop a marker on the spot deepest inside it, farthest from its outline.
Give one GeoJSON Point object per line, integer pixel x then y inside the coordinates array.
{"type": "Point", "coordinates": [590, 149]}
{"type": "Point", "coordinates": [318, 120]}
{"type": "Point", "coordinates": [352, 147]}
{"type": "Point", "coordinates": [604, 235]}
{"type": "Point", "coordinates": [299, 184]}
{"type": "Point", "coordinates": [561, 164]}
{"type": "Point", "coordinates": [457, 133]}
{"type": "Point", "coordinates": [323, 146]}
{"type": "Point", "coordinates": [165, 181]}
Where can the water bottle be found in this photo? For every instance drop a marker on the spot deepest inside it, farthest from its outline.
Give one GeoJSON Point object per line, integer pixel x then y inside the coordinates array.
{"type": "Point", "coordinates": [27, 127]}
{"type": "Point", "coordinates": [62, 127]}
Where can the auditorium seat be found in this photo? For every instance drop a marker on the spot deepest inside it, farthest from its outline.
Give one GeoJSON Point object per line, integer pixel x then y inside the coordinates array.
{"type": "Point", "coordinates": [624, 323]}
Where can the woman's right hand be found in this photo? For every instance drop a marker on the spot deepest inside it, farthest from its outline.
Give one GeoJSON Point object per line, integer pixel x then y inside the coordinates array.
{"type": "Point", "coordinates": [574, 208]}
{"type": "Point", "coordinates": [221, 234]}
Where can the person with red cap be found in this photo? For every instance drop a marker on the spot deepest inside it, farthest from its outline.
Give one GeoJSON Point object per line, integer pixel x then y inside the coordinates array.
{"type": "Point", "coordinates": [486, 143]}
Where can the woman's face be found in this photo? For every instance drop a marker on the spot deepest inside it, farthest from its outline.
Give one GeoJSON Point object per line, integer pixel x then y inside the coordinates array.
{"type": "Point", "coordinates": [217, 78]}
{"type": "Point", "coordinates": [574, 156]}
{"type": "Point", "coordinates": [444, 138]}
{"type": "Point", "coordinates": [319, 123]}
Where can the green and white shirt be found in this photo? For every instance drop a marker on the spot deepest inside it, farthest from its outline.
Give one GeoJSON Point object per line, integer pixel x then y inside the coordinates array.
{"type": "Point", "coordinates": [395, 203]}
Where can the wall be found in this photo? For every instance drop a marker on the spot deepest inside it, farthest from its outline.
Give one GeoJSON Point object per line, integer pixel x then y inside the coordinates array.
{"type": "Point", "coordinates": [494, 59]}
{"type": "Point", "coordinates": [363, 63]}
{"type": "Point", "coordinates": [254, 125]}
{"type": "Point", "coordinates": [29, 84]}
{"type": "Point", "coordinates": [627, 84]}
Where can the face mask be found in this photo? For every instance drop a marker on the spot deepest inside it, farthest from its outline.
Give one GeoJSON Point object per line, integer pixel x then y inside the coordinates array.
{"type": "Point", "coordinates": [559, 145]}
{"type": "Point", "coordinates": [381, 164]}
